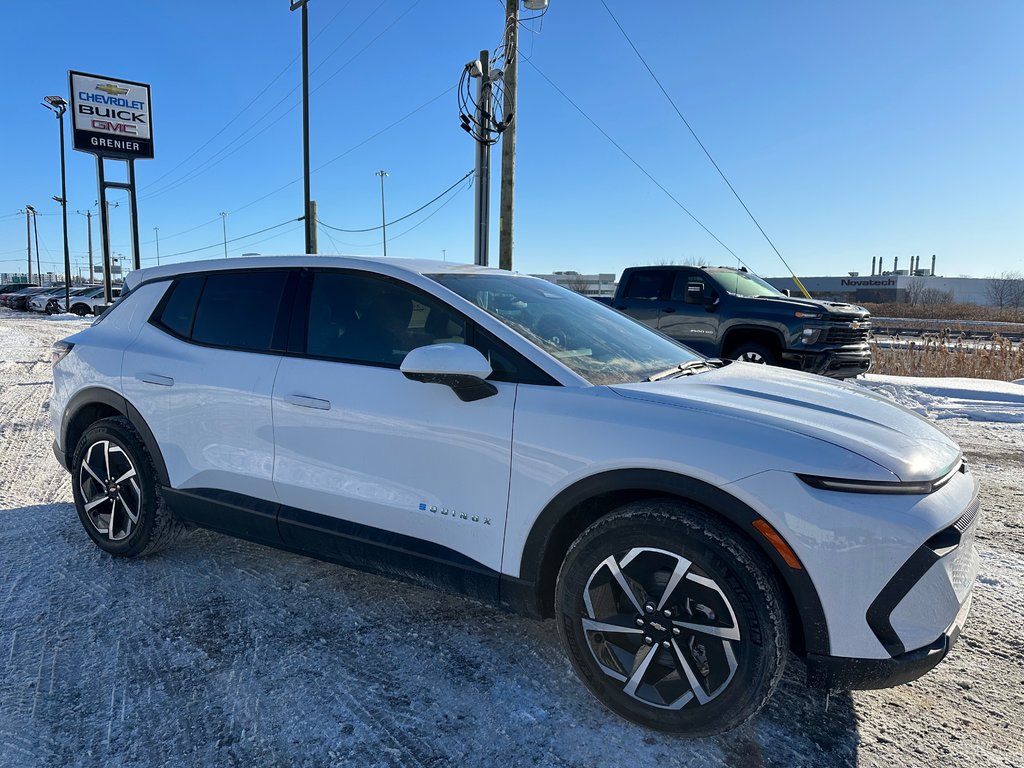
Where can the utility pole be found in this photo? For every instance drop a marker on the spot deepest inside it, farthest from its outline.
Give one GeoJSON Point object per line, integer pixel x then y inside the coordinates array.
{"type": "Point", "coordinates": [484, 117]}
{"type": "Point", "coordinates": [157, 231]}
{"type": "Point", "coordinates": [314, 244]}
{"type": "Point", "coordinates": [28, 238]}
{"type": "Point", "coordinates": [310, 221]}
{"type": "Point", "coordinates": [35, 228]}
{"type": "Point", "coordinates": [224, 224]}
{"type": "Point", "coordinates": [383, 218]}
{"type": "Point", "coordinates": [88, 221]}
{"type": "Point", "coordinates": [508, 138]}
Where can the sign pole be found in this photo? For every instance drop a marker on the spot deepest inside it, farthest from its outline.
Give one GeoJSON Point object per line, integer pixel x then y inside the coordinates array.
{"type": "Point", "coordinates": [136, 255]}
{"type": "Point", "coordinates": [104, 231]}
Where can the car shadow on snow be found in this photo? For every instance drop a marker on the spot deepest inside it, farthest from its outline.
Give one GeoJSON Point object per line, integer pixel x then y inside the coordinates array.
{"type": "Point", "coordinates": [218, 651]}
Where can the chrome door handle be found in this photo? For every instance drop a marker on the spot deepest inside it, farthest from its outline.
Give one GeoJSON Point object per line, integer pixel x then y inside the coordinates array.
{"type": "Point", "coordinates": [308, 402]}
{"type": "Point", "coordinates": [155, 378]}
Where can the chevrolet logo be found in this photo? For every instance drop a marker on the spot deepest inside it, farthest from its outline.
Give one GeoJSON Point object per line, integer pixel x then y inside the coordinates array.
{"type": "Point", "coordinates": [854, 325]}
{"type": "Point", "coordinates": [657, 626]}
{"type": "Point", "coordinates": [113, 90]}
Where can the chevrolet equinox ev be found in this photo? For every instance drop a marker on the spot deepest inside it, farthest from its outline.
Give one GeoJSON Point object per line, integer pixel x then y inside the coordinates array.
{"type": "Point", "coordinates": [685, 521]}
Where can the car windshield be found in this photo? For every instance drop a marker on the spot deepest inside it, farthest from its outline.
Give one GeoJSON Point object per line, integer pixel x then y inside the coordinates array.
{"type": "Point", "coordinates": [743, 283]}
{"type": "Point", "coordinates": [601, 345]}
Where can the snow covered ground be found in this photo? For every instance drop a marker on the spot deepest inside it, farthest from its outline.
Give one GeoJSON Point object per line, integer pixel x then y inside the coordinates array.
{"type": "Point", "coordinates": [221, 652]}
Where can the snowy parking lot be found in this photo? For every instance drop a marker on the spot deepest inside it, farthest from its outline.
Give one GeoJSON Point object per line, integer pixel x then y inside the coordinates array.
{"type": "Point", "coordinates": [222, 652]}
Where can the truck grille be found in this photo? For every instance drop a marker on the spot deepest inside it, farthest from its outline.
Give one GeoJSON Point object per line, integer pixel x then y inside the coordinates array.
{"type": "Point", "coordinates": [844, 334]}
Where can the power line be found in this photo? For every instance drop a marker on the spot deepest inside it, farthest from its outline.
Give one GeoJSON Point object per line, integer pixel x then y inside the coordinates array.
{"type": "Point", "coordinates": [629, 157]}
{"type": "Point", "coordinates": [699, 142]}
{"type": "Point", "coordinates": [406, 216]}
{"type": "Point", "coordinates": [231, 150]}
{"type": "Point", "coordinates": [244, 109]}
{"type": "Point", "coordinates": [220, 243]}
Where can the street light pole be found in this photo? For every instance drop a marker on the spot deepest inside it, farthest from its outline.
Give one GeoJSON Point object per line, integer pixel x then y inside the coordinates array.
{"type": "Point", "coordinates": [309, 222]}
{"type": "Point", "coordinates": [57, 105]}
{"type": "Point", "coordinates": [224, 224]}
{"type": "Point", "coordinates": [383, 218]}
{"type": "Point", "coordinates": [157, 230]}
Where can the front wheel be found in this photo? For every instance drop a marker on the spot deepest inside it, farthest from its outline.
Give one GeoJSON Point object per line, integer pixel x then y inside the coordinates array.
{"type": "Point", "coordinates": [80, 309]}
{"type": "Point", "coordinates": [116, 494]}
{"type": "Point", "coordinates": [752, 352]}
{"type": "Point", "coordinates": [671, 620]}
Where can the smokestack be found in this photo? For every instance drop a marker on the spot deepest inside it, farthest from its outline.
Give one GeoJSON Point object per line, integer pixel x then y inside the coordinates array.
{"type": "Point", "coordinates": [914, 264]}
{"type": "Point", "coordinates": [895, 263]}
{"type": "Point", "coordinates": [872, 266]}
{"type": "Point", "coordinates": [933, 264]}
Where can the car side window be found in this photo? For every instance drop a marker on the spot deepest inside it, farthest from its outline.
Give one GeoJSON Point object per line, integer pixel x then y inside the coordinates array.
{"type": "Point", "coordinates": [179, 307]}
{"type": "Point", "coordinates": [240, 309]}
{"type": "Point", "coordinates": [364, 319]}
{"type": "Point", "coordinates": [649, 284]}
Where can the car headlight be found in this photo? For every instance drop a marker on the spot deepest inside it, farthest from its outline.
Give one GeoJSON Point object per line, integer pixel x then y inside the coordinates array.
{"type": "Point", "coordinates": [918, 487]}
{"type": "Point", "coordinates": [810, 335]}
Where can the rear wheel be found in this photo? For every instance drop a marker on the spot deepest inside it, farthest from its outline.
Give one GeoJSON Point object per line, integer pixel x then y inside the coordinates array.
{"type": "Point", "coordinates": [80, 309]}
{"type": "Point", "coordinates": [116, 495]}
{"type": "Point", "coordinates": [671, 620]}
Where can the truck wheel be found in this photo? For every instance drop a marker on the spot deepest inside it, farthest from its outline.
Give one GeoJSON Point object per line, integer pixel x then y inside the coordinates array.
{"type": "Point", "coordinates": [752, 352]}
{"type": "Point", "coordinates": [671, 620]}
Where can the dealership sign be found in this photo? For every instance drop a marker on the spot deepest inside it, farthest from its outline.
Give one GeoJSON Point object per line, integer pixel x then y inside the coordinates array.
{"type": "Point", "coordinates": [112, 117]}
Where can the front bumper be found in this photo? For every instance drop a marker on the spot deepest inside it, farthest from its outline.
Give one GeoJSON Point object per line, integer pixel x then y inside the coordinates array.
{"type": "Point", "coordinates": [836, 363]}
{"type": "Point", "coordinates": [836, 673]}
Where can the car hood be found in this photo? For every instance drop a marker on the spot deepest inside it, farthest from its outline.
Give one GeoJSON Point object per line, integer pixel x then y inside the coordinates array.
{"type": "Point", "coordinates": [834, 309]}
{"type": "Point", "coordinates": [843, 414]}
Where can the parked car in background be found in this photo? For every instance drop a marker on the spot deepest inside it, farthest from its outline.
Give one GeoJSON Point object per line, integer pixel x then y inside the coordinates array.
{"type": "Point", "coordinates": [90, 304]}
{"type": "Point", "coordinates": [52, 302]}
{"type": "Point", "coordinates": [733, 313]}
{"type": "Point", "coordinates": [686, 521]}
{"type": "Point", "coordinates": [6, 288]}
{"type": "Point", "coordinates": [20, 299]}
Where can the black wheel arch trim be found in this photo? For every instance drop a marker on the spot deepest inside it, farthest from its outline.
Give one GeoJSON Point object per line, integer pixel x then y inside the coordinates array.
{"type": "Point", "coordinates": [536, 562]}
{"type": "Point", "coordinates": [101, 395]}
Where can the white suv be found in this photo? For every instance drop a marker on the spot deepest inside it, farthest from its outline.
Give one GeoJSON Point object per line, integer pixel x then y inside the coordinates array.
{"type": "Point", "coordinates": [686, 521]}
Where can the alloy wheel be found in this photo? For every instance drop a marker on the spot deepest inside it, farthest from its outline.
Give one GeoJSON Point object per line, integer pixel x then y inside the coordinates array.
{"type": "Point", "coordinates": [660, 626]}
{"type": "Point", "coordinates": [111, 496]}
{"type": "Point", "coordinates": [751, 357]}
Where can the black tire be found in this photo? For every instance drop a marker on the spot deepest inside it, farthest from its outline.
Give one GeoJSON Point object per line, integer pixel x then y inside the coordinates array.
{"type": "Point", "coordinates": [752, 352]}
{"type": "Point", "coordinates": [745, 601]}
{"type": "Point", "coordinates": [80, 309]}
{"type": "Point", "coordinates": [113, 447]}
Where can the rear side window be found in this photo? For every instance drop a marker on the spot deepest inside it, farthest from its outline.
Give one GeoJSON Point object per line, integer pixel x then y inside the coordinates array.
{"type": "Point", "coordinates": [239, 310]}
{"type": "Point", "coordinates": [649, 284]}
{"type": "Point", "coordinates": [180, 305]}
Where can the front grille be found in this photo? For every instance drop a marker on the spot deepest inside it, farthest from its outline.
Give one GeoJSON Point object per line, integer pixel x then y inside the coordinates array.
{"type": "Point", "coordinates": [967, 518]}
{"type": "Point", "coordinates": [840, 334]}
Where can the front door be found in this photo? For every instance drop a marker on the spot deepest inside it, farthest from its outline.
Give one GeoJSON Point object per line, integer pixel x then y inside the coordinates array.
{"type": "Point", "coordinates": [373, 468]}
{"type": "Point", "coordinates": [693, 319]}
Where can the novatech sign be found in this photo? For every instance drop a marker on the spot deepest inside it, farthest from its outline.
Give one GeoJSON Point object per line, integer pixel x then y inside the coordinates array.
{"type": "Point", "coordinates": [111, 117]}
{"type": "Point", "coordinates": [868, 282]}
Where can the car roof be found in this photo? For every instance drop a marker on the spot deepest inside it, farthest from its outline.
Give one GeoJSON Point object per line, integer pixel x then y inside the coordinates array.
{"type": "Point", "coordinates": [387, 266]}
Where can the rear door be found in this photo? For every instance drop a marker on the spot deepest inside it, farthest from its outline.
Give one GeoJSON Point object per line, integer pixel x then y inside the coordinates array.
{"type": "Point", "coordinates": [375, 469]}
{"type": "Point", "coordinates": [646, 293]}
{"type": "Point", "coordinates": [201, 373]}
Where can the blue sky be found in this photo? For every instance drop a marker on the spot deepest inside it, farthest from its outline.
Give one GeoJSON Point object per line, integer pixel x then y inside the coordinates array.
{"type": "Point", "coordinates": [851, 130]}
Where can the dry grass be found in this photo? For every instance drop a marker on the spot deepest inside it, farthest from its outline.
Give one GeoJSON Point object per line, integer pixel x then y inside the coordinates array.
{"type": "Point", "coordinates": [950, 313]}
{"type": "Point", "coordinates": [940, 356]}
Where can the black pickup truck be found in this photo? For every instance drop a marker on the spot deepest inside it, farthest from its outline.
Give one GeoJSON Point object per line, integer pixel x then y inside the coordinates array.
{"type": "Point", "coordinates": [733, 313]}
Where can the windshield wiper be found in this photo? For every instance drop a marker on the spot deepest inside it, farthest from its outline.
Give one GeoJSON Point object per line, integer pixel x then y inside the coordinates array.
{"type": "Point", "coordinates": [683, 369]}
